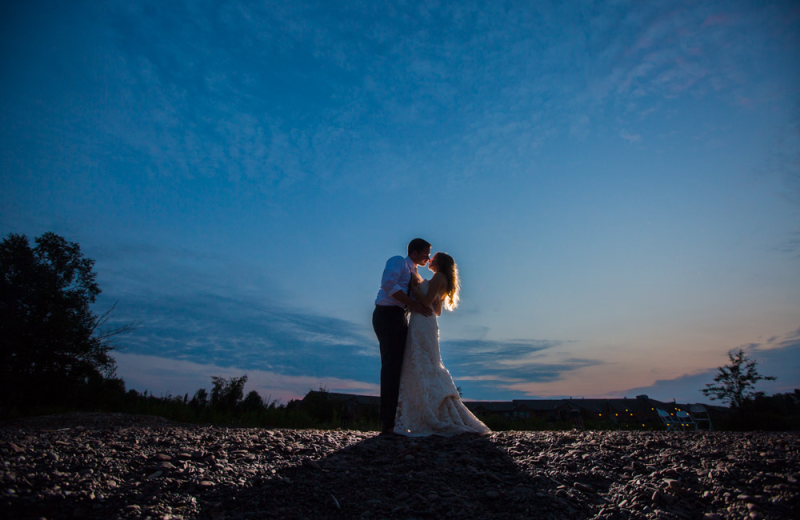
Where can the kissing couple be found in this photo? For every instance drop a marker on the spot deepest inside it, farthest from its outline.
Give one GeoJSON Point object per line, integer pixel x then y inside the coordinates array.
{"type": "Point", "coordinates": [418, 395]}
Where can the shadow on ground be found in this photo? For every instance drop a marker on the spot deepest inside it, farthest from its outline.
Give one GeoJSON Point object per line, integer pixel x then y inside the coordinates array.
{"type": "Point", "coordinates": [433, 477]}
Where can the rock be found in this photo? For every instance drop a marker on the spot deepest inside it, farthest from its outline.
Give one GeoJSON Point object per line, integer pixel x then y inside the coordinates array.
{"type": "Point", "coordinates": [492, 495]}
{"type": "Point", "coordinates": [313, 464]}
{"type": "Point", "coordinates": [493, 477]}
{"type": "Point", "coordinates": [583, 487]}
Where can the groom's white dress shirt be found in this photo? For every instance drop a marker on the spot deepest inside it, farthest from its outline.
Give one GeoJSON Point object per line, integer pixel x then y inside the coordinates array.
{"type": "Point", "coordinates": [396, 277]}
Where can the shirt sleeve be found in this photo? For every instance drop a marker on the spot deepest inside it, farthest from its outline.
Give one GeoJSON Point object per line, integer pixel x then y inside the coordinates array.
{"type": "Point", "coordinates": [393, 275]}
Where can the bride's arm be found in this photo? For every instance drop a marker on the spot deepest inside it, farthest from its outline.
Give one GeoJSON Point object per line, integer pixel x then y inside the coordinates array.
{"type": "Point", "coordinates": [435, 289]}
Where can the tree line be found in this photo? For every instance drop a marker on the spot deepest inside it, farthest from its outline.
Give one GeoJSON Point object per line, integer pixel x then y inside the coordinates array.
{"type": "Point", "coordinates": [225, 404]}
{"type": "Point", "coordinates": [55, 355]}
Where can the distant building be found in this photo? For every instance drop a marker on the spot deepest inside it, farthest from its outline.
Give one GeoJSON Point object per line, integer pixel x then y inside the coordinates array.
{"type": "Point", "coordinates": [350, 407]}
{"type": "Point", "coordinates": [505, 409]}
{"type": "Point", "coordinates": [640, 412]}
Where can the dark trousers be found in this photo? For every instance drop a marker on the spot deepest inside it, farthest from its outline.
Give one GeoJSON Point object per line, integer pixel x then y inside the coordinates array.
{"type": "Point", "coordinates": [391, 327]}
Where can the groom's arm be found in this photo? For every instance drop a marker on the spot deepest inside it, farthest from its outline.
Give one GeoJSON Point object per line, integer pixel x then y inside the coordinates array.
{"type": "Point", "coordinates": [392, 274]}
{"type": "Point", "coordinates": [417, 307]}
{"type": "Point", "coordinates": [395, 267]}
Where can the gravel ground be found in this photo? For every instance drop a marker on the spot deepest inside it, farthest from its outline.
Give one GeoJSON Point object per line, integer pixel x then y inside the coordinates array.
{"type": "Point", "coordinates": [134, 467]}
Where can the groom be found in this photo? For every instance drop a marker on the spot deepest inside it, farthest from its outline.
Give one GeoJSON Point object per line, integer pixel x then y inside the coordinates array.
{"type": "Point", "coordinates": [391, 324]}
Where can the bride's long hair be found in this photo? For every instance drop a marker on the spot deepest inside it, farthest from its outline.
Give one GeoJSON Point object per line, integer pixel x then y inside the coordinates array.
{"type": "Point", "coordinates": [447, 266]}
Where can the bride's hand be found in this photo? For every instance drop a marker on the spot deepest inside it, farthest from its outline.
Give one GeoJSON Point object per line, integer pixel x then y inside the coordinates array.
{"type": "Point", "coordinates": [421, 309]}
{"type": "Point", "coordinates": [414, 282]}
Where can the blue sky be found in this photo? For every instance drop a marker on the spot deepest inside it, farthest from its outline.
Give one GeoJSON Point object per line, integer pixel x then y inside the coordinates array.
{"type": "Point", "coordinates": [619, 183]}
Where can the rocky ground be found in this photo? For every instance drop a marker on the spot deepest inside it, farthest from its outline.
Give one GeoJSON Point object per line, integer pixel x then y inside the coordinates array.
{"type": "Point", "coordinates": [134, 467]}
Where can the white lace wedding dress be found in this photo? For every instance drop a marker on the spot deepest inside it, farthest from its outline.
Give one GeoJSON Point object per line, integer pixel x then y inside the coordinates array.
{"type": "Point", "coordinates": [429, 402]}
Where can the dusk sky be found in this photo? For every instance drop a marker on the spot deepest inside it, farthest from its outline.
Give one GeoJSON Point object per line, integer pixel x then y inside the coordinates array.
{"type": "Point", "coordinates": [618, 181]}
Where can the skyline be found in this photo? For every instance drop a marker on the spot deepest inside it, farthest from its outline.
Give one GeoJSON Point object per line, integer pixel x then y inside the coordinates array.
{"type": "Point", "coordinates": [619, 184]}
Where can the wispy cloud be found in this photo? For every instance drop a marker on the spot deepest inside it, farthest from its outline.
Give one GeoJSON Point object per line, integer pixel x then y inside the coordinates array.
{"type": "Point", "coordinates": [239, 331]}
{"type": "Point", "coordinates": [629, 137]}
{"type": "Point", "coordinates": [491, 368]}
{"type": "Point", "coordinates": [165, 376]}
{"type": "Point", "coordinates": [233, 319]}
{"type": "Point", "coordinates": [229, 332]}
{"type": "Point", "coordinates": [791, 246]}
{"type": "Point", "coordinates": [717, 19]}
{"type": "Point", "coordinates": [479, 88]}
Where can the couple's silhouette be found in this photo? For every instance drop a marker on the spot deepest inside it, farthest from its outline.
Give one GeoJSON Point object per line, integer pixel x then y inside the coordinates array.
{"type": "Point", "coordinates": [418, 395]}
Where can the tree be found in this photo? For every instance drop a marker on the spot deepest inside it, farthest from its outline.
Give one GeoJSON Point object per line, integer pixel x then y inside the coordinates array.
{"type": "Point", "coordinates": [735, 382]}
{"type": "Point", "coordinates": [226, 394]}
{"type": "Point", "coordinates": [200, 400]}
{"type": "Point", "coordinates": [253, 402]}
{"type": "Point", "coordinates": [52, 346]}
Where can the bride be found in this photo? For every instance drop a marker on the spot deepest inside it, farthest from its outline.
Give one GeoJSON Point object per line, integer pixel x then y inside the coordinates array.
{"type": "Point", "coordinates": [429, 402]}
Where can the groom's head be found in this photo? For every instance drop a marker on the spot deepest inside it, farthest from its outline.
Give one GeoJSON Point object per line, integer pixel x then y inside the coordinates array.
{"type": "Point", "coordinates": [419, 251]}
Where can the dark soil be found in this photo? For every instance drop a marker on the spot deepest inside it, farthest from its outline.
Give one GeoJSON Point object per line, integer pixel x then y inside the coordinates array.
{"type": "Point", "coordinates": [134, 467]}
